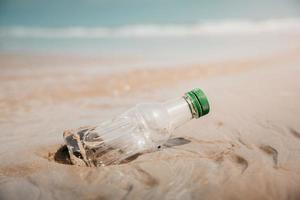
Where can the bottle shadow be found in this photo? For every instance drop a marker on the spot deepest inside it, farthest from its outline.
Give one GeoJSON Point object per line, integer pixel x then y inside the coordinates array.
{"type": "Point", "coordinates": [169, 144]}
{"type": "Point", "coordinates": [176, 142]}
{"type": "Point", "coordinates": [62, 156]}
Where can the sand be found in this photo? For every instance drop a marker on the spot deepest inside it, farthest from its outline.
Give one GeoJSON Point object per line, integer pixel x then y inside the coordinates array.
{"type": "Point", "coordinates": [248, 147]}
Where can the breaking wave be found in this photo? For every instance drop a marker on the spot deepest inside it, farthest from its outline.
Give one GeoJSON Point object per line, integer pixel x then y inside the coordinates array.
{"type": "Point", "coordinates": [227, 27]}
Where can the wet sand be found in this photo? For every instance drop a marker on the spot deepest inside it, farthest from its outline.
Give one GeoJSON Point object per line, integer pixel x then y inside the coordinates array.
{"type": "Point", "coordinates": [248, 147]}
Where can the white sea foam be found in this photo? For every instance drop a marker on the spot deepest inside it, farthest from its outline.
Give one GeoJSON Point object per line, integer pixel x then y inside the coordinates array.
{"type": "Point", "coordinates": [227, 27]}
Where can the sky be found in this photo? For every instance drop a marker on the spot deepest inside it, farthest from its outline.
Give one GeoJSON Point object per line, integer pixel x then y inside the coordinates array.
{"type": "Point", "coordinates": [90, 13]}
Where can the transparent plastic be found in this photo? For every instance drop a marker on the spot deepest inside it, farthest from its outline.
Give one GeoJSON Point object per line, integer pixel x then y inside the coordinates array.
{"type": "Point", "coordinates": [145, 127]}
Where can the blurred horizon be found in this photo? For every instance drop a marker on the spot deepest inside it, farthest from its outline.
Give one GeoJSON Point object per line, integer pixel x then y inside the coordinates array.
{"type": "Point", "coordinates": [104, 13]}
{"type": "Point", "coordinates": [158, 31]}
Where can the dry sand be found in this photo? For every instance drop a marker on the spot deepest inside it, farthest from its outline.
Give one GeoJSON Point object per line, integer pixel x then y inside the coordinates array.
{"type": "Point", "coordinates": [248, 147]}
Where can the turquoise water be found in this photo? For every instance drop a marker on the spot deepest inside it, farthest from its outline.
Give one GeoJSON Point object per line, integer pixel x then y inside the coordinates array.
{"type": "Point", "coordinates": [158, 51]}
{"type": "Point", "coordinates": [168, 30]}
{"type": "Point", "coordinates": [62, 13]}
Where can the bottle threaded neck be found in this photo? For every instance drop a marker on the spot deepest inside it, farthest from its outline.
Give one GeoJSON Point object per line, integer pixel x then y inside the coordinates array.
{"type": "Point", "coordinates": [198, 102]}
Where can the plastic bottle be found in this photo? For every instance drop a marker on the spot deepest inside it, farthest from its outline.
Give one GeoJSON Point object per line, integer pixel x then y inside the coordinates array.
{"type": "Point", "coordinates": [144, 127]}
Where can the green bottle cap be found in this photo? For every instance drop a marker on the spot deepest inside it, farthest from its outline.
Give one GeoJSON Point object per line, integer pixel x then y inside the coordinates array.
{"type": "Point", "coordinates": [198, 102]}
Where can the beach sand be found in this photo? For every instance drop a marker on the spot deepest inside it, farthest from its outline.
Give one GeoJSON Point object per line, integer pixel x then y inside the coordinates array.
{"type": "Point", "coordinates": [248, 147]}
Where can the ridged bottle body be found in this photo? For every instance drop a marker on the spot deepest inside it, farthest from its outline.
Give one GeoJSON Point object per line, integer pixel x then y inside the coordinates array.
{"type": "Point", "coordinates": [145, 127]}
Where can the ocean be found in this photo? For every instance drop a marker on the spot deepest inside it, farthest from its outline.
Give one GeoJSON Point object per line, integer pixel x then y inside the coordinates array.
{"type": "Point", "coordinates": [164, 44]}
{"type": "Point", "coordinates": [164, 32]}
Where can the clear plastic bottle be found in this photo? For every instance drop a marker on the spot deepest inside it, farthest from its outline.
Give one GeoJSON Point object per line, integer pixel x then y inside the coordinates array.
{"type": "Point", "coordinates": [144, 127]}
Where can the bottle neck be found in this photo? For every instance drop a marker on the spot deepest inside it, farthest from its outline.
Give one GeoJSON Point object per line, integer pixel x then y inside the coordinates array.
{"type": "Point", "coordinates": [179, 111]}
